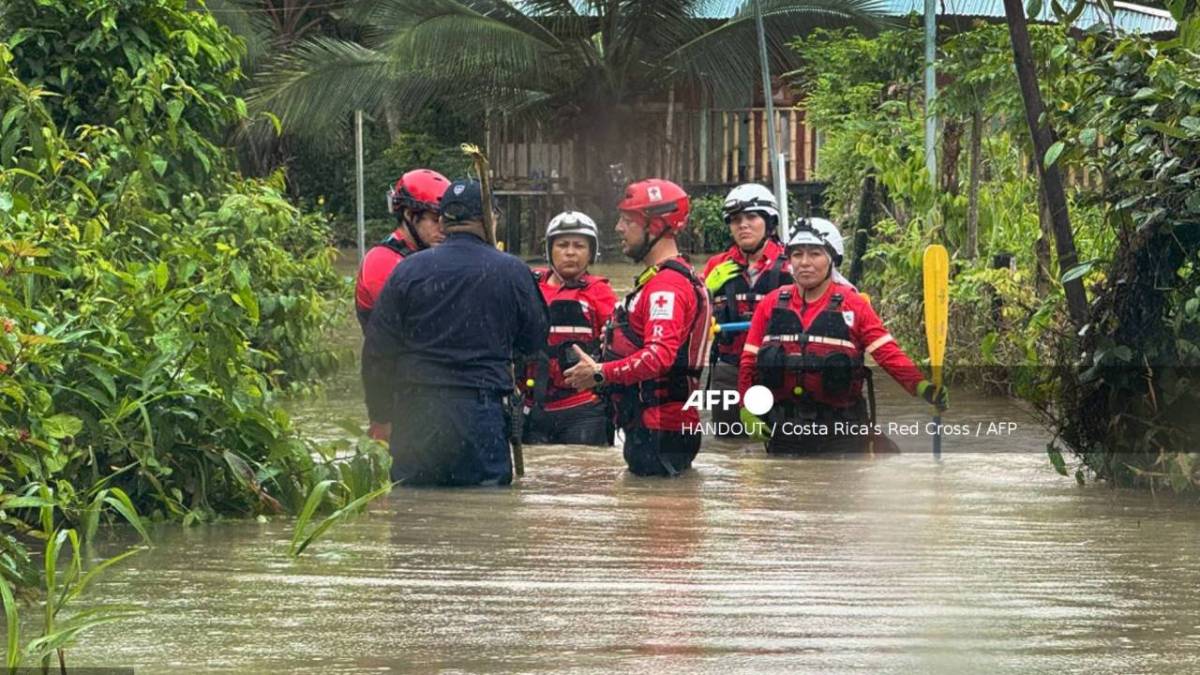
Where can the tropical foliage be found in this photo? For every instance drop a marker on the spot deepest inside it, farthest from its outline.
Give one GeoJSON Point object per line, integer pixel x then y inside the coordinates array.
{"type": "Point", "coordinates": [152, 302]}
{"type": "Point", "coordinates": [1130, 410]}
{"type": "Point", "coordinates": [577, 66]}
{"type": "Point", "coordinates": [1124, 108]}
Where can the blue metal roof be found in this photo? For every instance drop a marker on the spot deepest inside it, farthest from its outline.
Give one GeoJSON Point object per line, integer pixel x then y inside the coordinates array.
{"type": "Point", "coordinates": [1129, 17]}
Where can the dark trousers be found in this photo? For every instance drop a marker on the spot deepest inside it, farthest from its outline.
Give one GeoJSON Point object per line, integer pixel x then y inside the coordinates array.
{"type": "Point", "coordinates": [649, 452]}
{"type": "Point", "coordinates": [581, 425]}
{"type": "Point", "coordinates": [450, 436]}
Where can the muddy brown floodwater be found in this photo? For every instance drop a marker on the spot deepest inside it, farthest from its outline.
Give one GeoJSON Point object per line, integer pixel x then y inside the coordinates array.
{"type": "Point", "coordinates": [988, 561]}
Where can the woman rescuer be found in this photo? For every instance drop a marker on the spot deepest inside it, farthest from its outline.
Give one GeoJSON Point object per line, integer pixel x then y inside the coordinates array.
{"type": "Point", "coordinates": [807, 344]}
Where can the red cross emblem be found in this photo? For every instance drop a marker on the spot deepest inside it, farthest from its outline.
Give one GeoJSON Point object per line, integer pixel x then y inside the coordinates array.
{"type": "Point", "coordinates": [662, 301]}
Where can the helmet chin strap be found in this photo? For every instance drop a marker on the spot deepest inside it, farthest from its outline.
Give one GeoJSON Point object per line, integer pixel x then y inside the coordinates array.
{"type": "Point", "coordinates": [757, 247]}
{"type": "Point", "coordinates": [639, 254]}
{"type": "Point", "coordinates": [412, 231]}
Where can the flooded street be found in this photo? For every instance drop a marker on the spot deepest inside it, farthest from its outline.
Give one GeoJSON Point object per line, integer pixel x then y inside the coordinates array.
{"type": "Point", "coordinates": [987, 561]}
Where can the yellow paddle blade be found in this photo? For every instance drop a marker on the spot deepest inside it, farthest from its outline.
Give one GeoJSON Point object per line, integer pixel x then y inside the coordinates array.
{"type": "Point", "coordinates": [936, 267]}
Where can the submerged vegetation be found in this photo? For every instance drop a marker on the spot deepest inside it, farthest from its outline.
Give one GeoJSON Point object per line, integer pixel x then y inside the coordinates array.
{"type": "Point", "coordinates": [153, 302]}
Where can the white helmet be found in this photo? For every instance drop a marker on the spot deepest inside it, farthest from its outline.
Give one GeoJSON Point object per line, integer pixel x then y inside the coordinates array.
{"type": "Point", "coordinates": [752, 198]}
{"type": "Point", "coordinates": [818, 232]}
{"type": "Point", "coordinates": [573, 222]}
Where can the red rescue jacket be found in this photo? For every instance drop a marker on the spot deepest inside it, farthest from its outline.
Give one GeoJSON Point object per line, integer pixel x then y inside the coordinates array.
{"type": "Point", "coordinates": [820, 341]}
{"type": "Point", "coordinates": [656, 345]}
{"type": "Point", "coordinates": [579, 309]}
{"type": "Point", "coordinates": [736, 300]}
{"type": "Point", "coordinates": [377, 266]}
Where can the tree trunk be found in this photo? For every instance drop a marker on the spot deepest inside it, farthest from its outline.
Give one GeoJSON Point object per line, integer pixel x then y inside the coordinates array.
{"type": "Point", "coordinates": [952, 131]}
{"type": "Point", "coordinates": [1043, 270]}
{"type": "Point", "coordinates": [862, 229]}
{"type": "Point", "coordinates": [392, 118]}
{"type": "Point", "coordinates": [1043, 138]}
{"type": "Point", "coordinates": [972, 247]}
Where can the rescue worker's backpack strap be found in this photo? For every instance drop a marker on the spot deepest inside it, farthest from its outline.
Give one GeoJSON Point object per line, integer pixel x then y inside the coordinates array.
{"type": "Point", "coordinates": [774, 275]}
{"type": "Point", "coordinates": [673, 385]}
{"type": "Point", "coordinates": [400, 246]}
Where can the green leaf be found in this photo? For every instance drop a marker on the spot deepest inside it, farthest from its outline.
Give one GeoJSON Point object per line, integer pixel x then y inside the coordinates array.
{"type": "Point", "coordinates": [192, 42]}
{"type": "Point", "coordinates": [1033, 9]}
{"type": "Point", "coordinates": [1190, 123]}
{"type": "Point", "coordinates": [62, 426]}
{"type": "Point", "coordinates": [1056, 458]}
{"type": "Point", "coordinates": [246, 299]}
{"type": "Point", "coordinates": [311, 504]}
{"type": "Point", "coordinates": [12, 654]}
{"type": "Point", "coordinates": [159, 164]}
{"type": "Point", "coordinates": [1088, 136]}
{"type": "Point", "coordinates": [161, 275]}
{"type": "Point", "coordinates": [71, 628]}
{"type": "Point", "coordinates": [174, 109]}
{"type": "Point", "coordinates": [6, 201]}
{"type": "Point", "coordinates": [1145, 93]}
{"type": "Point", "coordinates": [1078, 271]}
{"type": "Point", "coordinates": [338, 516]}
{"type": "Point", "coordinates": [119, 500]}
{"type": "Point", "coordinates": [1052, 154]}
{"type": "Point", "coordinates": [1173, 132]}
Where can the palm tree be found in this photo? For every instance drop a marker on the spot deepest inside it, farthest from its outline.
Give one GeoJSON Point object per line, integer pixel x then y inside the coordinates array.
{"type": "Point", "coordinates": [267, 26]}
{"type": "Point", "coordinates": [579, 64]}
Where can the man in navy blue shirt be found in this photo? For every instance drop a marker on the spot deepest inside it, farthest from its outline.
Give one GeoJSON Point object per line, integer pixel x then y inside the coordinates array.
{"type": "Point", "coordinates": [437, 360]}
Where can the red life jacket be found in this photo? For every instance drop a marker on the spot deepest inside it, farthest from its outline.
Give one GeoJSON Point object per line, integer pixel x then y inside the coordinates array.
{"type": "Point", "coordinates": [736, 300]}
{"type": "Point", "coordinates": [823, 362]}
{"type": "Point", "coordinates": [572, 322]}
{"type": "Point", "coordinates": [376, 267]}
{"type": "Point", "coordinates": [683, 377]}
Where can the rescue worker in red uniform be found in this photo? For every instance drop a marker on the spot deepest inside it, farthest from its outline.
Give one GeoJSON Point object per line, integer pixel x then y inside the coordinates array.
{"type": "Point", "coordinates": [807, 343]}
{"type": "Point", "coordinates": [657, 342]}
{"type": "Point", "coordinates": [739, 277]}
{"type": "Point", "coordinates": [414, 200]}
{"type": "Point", "coordinates": [580, 304]}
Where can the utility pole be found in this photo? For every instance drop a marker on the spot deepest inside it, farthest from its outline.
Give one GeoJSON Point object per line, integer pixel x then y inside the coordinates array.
{"type": "Point", "coordinates": [930, 91]}
{"type": "Point", "coordinates": [772, 143]}
{"type": "Point", "coordinates": [358, 180]}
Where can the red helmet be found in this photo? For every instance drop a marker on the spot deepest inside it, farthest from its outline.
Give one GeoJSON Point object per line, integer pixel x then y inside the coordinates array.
{"type": "Point", "coordinates": [419, 190]}
{"type": "Point", "coordinates": [660, 205]}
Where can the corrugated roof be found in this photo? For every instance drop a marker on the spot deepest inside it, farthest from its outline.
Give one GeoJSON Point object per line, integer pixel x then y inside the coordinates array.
{"type": "Point", "coordinates": [1130, 18]}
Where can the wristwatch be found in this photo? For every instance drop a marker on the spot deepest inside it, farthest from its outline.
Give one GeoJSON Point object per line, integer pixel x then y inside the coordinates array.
{"type": "Point", "coordinates": [598, 376]}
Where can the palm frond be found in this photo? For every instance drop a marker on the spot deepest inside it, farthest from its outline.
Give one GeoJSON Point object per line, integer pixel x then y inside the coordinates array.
{"type": "Point", "coordinates": [457, 45]}
{"type": "Point", "coordinates": [314, 88]}
{"type": "Point", "coordinates": [384, 20]}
